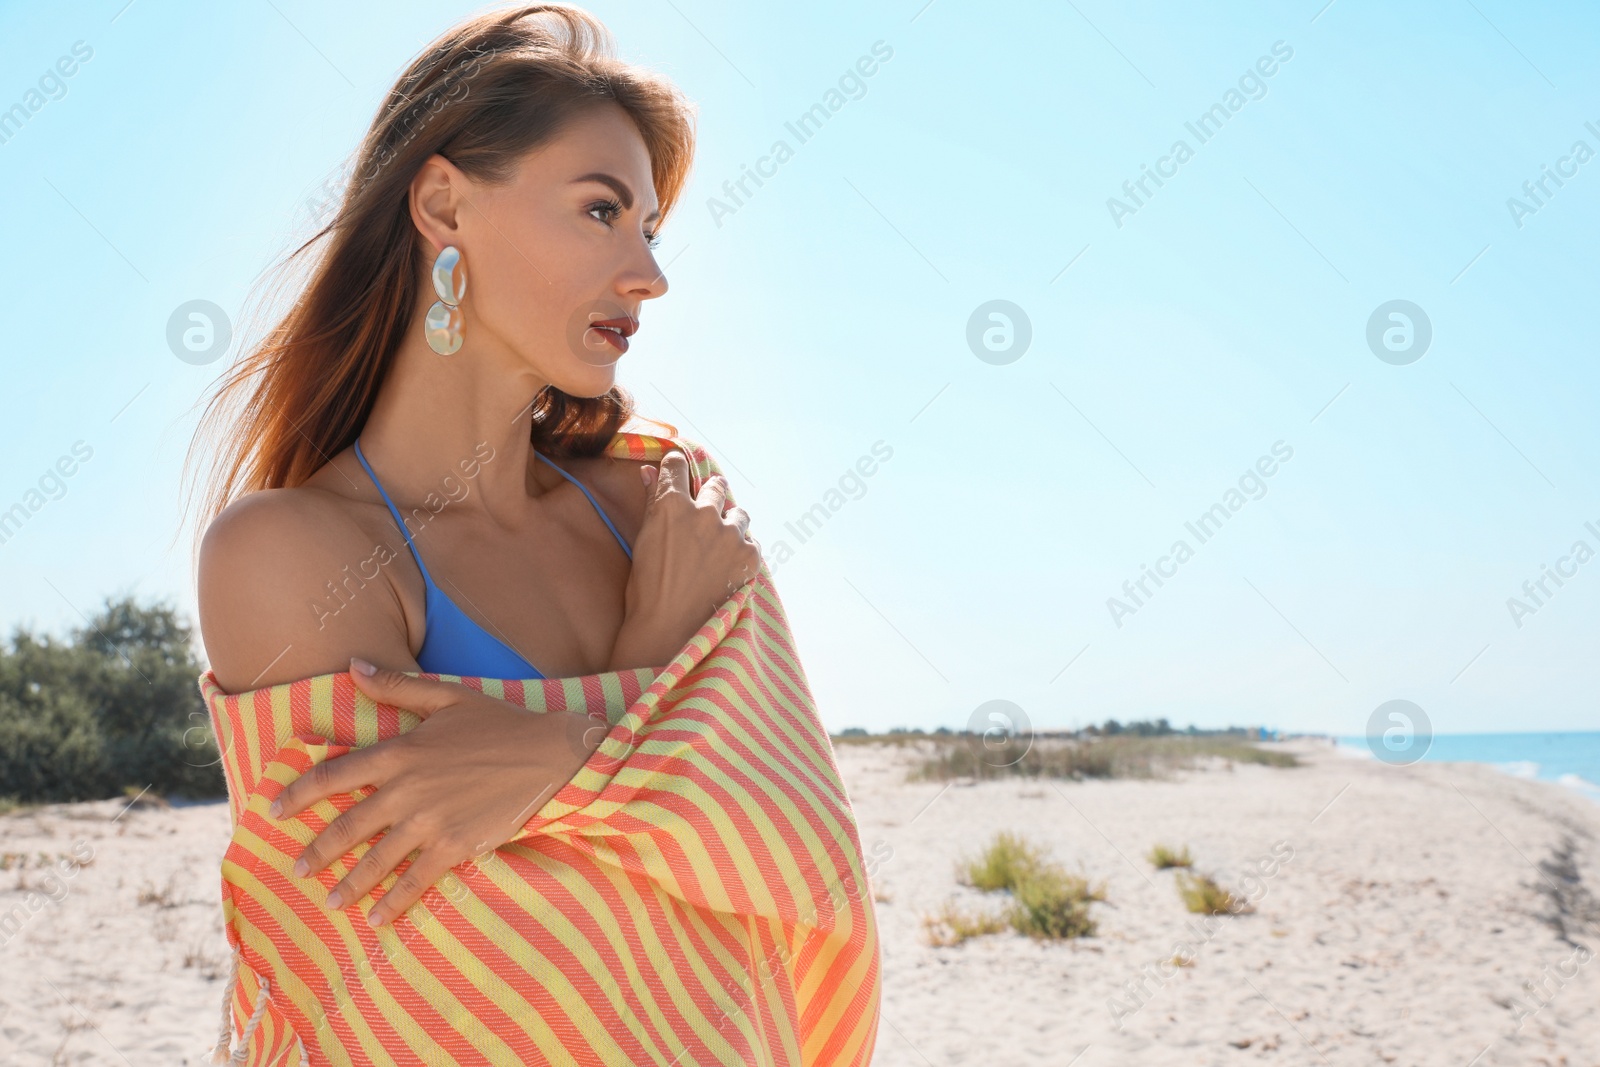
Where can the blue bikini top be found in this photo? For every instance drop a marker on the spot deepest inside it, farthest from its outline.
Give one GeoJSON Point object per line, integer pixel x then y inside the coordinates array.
{"type": "Point", "coordinates": [452, 643]}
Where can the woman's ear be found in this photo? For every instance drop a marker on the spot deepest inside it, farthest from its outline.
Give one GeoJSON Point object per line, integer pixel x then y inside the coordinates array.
{"type": "Point", "coordinates": [435, 200]}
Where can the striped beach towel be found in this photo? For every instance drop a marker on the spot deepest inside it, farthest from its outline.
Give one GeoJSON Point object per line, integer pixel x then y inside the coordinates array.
{"type": "Point", "coordinates": [695, 895]}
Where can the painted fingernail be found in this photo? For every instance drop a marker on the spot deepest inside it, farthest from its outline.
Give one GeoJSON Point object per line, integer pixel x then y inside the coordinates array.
{"type": "Point", "coordinates": [276, 811]}
{"type": "Point", "coordinates": [359, 664]}
{"type": "Point", "coordinates": [335, 900]}
{"type": "Point", "coordinates": [301, 869]}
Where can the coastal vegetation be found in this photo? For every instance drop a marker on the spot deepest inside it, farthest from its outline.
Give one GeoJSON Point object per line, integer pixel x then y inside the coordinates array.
{"type": "Point", "coordinates": [1045, 900]}
{"type": "Point", "coordinates": [1135, 750]}
{"type": "Point", "coordinates": [112, 709]}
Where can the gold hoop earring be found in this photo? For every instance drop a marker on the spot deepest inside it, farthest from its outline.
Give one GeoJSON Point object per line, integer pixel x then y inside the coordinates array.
{"type": "Point", "coordinates": [445, 326]}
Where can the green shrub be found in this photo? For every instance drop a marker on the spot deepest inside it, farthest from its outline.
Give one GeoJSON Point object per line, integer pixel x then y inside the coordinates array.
{"type": "Point", "coordinates": [50, 747]}
{"type": "Point", "coordinates": [113, 706]}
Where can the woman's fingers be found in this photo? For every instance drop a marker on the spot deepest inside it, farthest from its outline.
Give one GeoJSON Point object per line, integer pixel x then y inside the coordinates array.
{"type": "Point", "coordinates": [362, 822]}
{"type": "Point", "coordinates": [424, 871]}
{"type": "Point", "coordinates": [749, 561]}
{"type": "Point", "coordinates": [740, 518]}
{"type": "Point", "coordinates": [714, 493]}
{"type": "Point", "coordinates": [421, 696]}
{"type": "Point", "coordinates": [341, 774]}
{"type": "Point", "coordinates": [347, 773]}
{"type": "Point", "coordinates": [370, 869]}
{"type": "Point", "coordinates": [673, 476]}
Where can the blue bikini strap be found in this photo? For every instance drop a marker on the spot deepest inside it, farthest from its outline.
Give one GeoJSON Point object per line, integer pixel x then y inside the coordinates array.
{"type": "Point", "coordinates": [606, 518]}
{"type": "Point", "coordinates": [404, 529]}
{"type": "Point", "coordinates": [407, 531]}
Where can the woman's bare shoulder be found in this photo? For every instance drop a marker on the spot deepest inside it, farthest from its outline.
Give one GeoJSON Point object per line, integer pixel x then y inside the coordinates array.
{"type": "Point", "coordinates": [276, 533]}
{"type": "Point", "coordinates": [290, 584]}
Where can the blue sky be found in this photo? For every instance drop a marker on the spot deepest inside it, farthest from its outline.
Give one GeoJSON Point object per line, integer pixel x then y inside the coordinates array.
{"type": "Point", "coordinates": [1172, 347]}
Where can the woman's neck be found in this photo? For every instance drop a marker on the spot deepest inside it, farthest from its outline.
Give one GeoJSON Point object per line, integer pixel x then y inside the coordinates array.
{"type": "Point", "coordinates": [435, 413]}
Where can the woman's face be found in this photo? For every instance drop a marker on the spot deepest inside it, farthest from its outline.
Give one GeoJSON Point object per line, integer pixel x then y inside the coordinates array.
{"type": "Point", "coordinates": [563, 244]}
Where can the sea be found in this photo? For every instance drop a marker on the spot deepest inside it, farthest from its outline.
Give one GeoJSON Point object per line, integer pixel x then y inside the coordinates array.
{"type": "Point", "coordinates": [1569, 759]}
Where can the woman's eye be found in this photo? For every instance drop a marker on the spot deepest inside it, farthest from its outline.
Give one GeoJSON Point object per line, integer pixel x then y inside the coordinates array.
{"type": "Point", "coordinates": [611, 207]}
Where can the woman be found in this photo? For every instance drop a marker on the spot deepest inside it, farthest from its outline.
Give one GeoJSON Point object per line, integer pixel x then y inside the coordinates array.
{"type": "Point", "coordinates": [529, 554]}
{"type": "Point", "coordinates": [421, 471]}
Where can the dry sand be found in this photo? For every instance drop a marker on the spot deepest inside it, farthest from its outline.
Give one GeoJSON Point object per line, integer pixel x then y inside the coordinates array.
{"type": "Point", "coordinates": [1402, 930]}
{"type": "Point", "coordinates": [1416, 909]}
{"type": "Point", "coordinates": [119, 960]}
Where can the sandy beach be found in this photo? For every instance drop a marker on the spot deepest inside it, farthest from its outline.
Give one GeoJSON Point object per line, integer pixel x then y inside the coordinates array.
{"type": "Point", "coordinates": [1402, 930]}
{"type": "Point", "coordinates": [1424, 915]}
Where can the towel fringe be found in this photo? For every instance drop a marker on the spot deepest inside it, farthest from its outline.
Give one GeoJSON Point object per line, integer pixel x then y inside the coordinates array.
{"type": "Point", "coordinates": [255, 1020]}
{"type": "Point", "coordinates": [220, 1052]}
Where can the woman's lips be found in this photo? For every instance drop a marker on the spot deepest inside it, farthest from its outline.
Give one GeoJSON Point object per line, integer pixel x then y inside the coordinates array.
{"type": "Point", "coordinates": [617, 340]}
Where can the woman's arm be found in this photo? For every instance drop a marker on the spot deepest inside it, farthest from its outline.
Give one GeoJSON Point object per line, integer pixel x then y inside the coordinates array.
{"type": "Point", "coordinates": [468, 777]}
{"type": "Point", "coordinates": [290, 587]}
{"type": "Point", "coordinates": [689, 557]}
{"type": "Point", "coordinates": [465, 780]}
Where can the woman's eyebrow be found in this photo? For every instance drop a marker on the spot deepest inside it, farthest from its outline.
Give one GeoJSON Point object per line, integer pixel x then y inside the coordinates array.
{"type": "Point", "coordinates": [618, 186]}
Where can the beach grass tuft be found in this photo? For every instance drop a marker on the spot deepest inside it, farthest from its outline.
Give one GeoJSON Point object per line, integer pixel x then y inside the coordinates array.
{"type": "Point", "coordinates": [1008, 861]}
{"type": "Point", "coordinates": [1047, 901]}
{"type": "Point", "coordinates": [165, 897]}
{"type": "Point", "coordinates": [1053, 904]}
{"type": "Point", "coordinates": [1202, 895]}
{"type": "Point", "coordinates": [1161, 857]}
{"type": "Point", "coordinates": [951, 926]}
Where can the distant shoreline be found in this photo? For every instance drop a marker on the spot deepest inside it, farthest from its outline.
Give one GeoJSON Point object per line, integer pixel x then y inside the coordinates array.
{"type": "Point", "coordinates": [1566, 758]}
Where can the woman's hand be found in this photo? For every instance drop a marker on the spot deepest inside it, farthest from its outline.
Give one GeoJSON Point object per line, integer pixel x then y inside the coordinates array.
{"type": "Point", "coordinates": [688, 559]}
{"type": "Point", "coordinates": [459, 784]}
